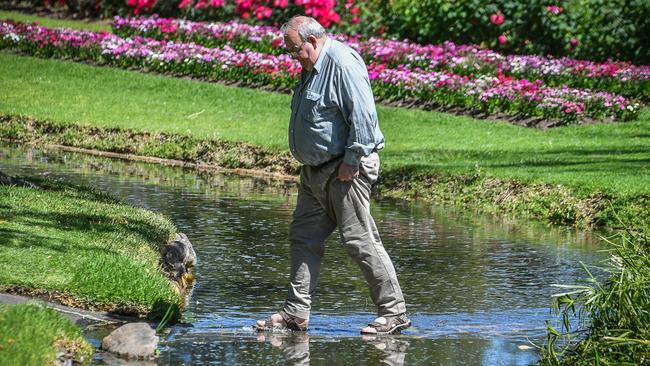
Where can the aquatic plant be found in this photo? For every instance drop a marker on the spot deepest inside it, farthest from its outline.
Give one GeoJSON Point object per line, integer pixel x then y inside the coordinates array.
{"type": "Point", "coordinates": [616, 310]}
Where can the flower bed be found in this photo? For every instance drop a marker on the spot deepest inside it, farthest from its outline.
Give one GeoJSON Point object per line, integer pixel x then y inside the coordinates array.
{"type": "Point", "coordinates": [490, 94]}
{"type": "Point", "coordinates": [617, 77]}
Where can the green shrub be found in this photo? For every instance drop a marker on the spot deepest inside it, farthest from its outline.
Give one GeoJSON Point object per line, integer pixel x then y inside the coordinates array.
{"type": "Point", "coordinates": [589, 29]}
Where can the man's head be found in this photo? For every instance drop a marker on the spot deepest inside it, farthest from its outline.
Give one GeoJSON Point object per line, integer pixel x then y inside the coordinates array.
{"type": "Point", "coordinates": [304, 38]}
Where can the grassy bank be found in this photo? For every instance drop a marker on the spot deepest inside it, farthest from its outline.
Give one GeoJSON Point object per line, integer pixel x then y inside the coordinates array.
{"type": "Point", "coordinates": [589, 175]}
{"type": "Point", "coordinates": [33, 335]}
{"type": "Point", "coordinates": [84, 249]}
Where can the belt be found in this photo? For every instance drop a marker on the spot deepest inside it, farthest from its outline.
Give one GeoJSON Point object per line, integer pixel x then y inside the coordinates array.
{"type": "Point", "coordinates": [320, 166]}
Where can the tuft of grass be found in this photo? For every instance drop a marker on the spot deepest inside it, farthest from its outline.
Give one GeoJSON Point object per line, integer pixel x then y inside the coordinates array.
{"type": "Point", "coordinates": [88, 249]}
{"type": "Point", "coordinates": [617, 310]}
{"type": "Point", "coordinates": [32, 335]}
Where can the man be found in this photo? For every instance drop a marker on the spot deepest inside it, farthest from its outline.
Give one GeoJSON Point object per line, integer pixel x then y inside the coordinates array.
{"type": "Point", "coordinates": [333, 132]}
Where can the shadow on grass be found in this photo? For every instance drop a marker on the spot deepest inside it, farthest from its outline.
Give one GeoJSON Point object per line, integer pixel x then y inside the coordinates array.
{"type": "Point", "coordinates": [72, 190]}
{"type": "Point", "coordinates": [618, 160]}
{"type": "Point", "coordinates": [95, 223]}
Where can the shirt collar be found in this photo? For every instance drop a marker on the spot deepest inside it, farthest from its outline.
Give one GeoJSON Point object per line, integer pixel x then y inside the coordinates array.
{"type": "Point", "coordinates": [319, 63]}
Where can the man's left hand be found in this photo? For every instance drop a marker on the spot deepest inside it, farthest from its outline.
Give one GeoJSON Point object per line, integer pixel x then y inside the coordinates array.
{"type": "Point", "coordinates": [347, 172]}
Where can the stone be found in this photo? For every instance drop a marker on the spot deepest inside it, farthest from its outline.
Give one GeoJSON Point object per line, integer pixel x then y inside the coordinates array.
{"type": "Point", "coordinates": [132, 340]}
{"type": "Point", "coordinates": [178, 257]}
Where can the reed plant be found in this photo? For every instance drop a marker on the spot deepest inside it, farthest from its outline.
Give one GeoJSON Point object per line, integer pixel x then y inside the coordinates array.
{"type": "Point", "coordinates": [617, 311]}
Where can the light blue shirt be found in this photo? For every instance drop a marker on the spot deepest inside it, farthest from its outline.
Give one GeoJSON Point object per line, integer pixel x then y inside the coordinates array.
{"type": "Point", "coordinates": [333, 109]}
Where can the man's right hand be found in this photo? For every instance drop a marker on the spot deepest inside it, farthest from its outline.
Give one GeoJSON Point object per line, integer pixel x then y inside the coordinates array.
{"type": "Point", "coordinates": [347, 172]}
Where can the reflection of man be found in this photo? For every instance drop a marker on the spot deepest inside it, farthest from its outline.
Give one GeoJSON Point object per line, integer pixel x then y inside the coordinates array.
{"type": "Point", "coordinates": [393, 348]}
{"type": "Point", "coordinates": [294, 346]}
{"type": "Point", "coordinates": [333, 132]}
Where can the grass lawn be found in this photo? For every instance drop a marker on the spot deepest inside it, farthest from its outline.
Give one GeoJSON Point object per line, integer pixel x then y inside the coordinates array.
{"type": "Point", "coordinates": [85, 246]}
{"type": "Point", "coordinates": [609, 157]}
{"type": "Point", "coordinates": [56, 23]}
{"type": "Point", "coordinates": [31, 335]}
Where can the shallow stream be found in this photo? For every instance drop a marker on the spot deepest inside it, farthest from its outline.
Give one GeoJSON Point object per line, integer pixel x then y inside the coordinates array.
{"type": "Point", "coordinates": [477, 289]}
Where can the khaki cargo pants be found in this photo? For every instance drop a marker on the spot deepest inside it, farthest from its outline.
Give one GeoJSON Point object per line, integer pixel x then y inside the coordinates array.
{"type": "Point", "coordinates": [325, 203]}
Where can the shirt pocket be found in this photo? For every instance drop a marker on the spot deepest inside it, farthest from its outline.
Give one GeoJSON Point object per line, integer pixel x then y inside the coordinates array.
{"type": "Point", "coordinates": [311, 105]}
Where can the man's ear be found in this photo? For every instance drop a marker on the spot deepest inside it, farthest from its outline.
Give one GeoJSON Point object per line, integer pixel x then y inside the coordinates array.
{"type": "Point", "coordinates": [313, 40]}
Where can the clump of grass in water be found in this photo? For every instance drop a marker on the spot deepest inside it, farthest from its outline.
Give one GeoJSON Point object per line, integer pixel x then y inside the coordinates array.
{"type": "Point", "coordinates": [618, 308]}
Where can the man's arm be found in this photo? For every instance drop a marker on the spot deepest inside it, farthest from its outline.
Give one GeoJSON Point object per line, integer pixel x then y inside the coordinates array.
{"type": "Point", "coordinates": [358, 108]}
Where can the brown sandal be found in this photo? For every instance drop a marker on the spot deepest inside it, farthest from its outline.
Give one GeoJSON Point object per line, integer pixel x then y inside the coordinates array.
{"type": "Point", "coordinates": [389, 324]}
{"type": "Point", "coordinates": [289, 324]}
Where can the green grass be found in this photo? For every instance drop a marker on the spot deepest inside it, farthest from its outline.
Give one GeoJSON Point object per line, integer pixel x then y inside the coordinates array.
{"type": "Point", "coordinates": [95, 250]}
{"type": "Point", "coordinates": [614, 158]}
{"type": "Point", "coordinates": [30, 335]}
{"type": "Point", "coordinates": [56, 23]}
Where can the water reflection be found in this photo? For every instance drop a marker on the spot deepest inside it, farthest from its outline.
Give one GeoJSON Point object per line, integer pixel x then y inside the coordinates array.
{"type": "Point", "coordinates": [294, 346]}
{"type": "Point", "coordinates": [476, 288]}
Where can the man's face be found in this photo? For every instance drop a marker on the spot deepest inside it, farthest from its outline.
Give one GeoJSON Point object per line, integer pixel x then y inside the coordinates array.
{"type": "Point", "coordinates": [305, 52]}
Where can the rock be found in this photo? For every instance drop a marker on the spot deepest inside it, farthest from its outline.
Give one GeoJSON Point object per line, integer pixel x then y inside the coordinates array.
{"type": "Point", "coordinates": [133, 340]}
{"type": "Point", "coordinates": [63, 358]}
{"type": "Point", "coordinates": [178, 257]}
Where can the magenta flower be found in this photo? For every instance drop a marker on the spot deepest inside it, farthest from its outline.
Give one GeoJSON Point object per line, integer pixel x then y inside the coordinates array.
{"type": "Point", "coordinates": [554, 9]}
{"type": "Point", "coordinates": [497, 18]}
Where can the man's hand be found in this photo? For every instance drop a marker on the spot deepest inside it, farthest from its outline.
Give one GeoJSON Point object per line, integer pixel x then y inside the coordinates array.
{"type": "Point", "coordinates": [347, 172]}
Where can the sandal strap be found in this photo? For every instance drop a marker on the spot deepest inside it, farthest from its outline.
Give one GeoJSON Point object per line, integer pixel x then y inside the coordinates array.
{"type": "Point", "coordinates": [378, 324]}
{"type": "Point", "coordinates": [291, 321]}
{"type": "Point", "coordinates": [385, 323]}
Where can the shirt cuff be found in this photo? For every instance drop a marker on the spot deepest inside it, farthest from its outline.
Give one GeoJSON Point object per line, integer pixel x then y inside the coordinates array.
{"type": "Point", "coordinates": [351, 158]}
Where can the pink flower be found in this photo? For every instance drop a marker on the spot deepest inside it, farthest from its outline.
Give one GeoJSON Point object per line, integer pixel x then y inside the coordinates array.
{"type": "Point", "coordinates": [556, 10]}
{"type": "Point", "coordinates": [185, 3]}
{"type": "Point", "coordinates": [497, 18]}
{"type": "Point", "coordinates": [503, 39]}
{"type": "Point", "coordinates": [574, 42]}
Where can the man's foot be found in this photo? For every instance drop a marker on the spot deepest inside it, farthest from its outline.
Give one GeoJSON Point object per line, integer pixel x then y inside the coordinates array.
{"type": "Point", "coordinates": [387, 325]}
{"type": "Point", "coordinates": [281, 321]}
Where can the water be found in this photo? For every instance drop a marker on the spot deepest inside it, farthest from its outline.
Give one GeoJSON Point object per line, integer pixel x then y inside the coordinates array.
{"type": "Point", "coordinates": [477, 289]}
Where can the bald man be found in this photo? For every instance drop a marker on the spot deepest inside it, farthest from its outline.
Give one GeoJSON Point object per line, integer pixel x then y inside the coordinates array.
{"type": "Point", "coordinates": [334, 134]}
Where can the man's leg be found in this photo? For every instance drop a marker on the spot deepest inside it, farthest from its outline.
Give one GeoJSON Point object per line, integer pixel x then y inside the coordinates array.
{"type": "Point", "coordinates": [350, 202]}
{"type": "Point", "coordinates": [309, 229]}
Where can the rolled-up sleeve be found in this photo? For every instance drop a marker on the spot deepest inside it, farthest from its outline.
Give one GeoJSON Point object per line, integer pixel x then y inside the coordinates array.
{"type": "Point", "coordinates": [357, 106]}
